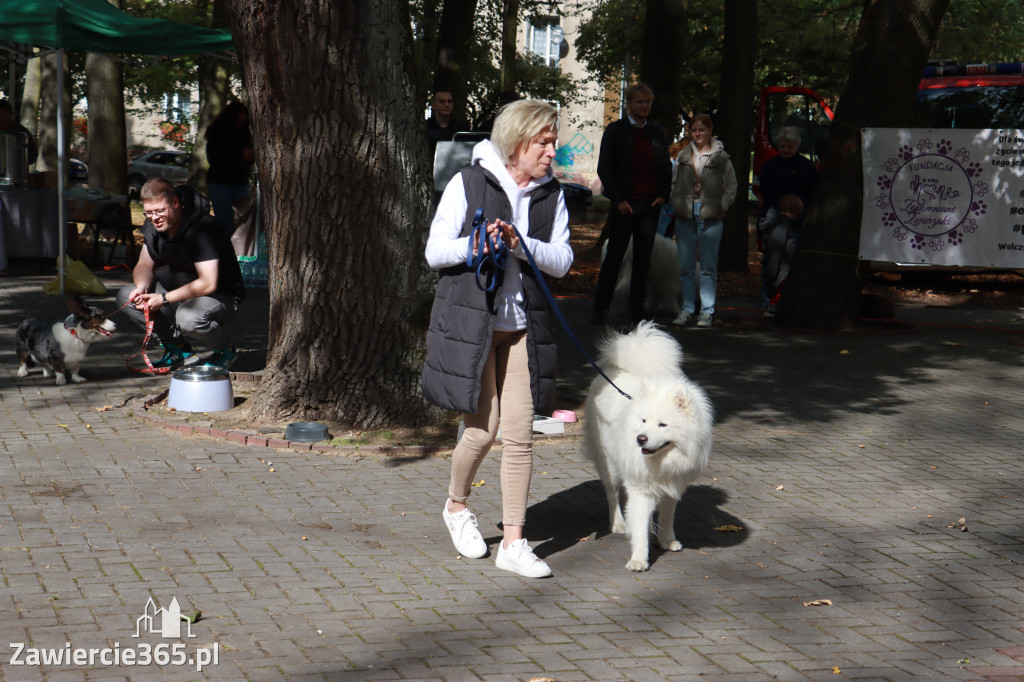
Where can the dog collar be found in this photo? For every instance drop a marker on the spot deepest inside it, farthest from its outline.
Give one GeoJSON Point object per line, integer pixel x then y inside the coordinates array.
{"type": "Point", "coordinates": [69, 324]}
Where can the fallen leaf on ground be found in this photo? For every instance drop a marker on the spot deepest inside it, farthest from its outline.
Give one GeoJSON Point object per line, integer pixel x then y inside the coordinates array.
{"type": "Point", "coordinates": [961, 524]}
{"type": "Point", "coordinates": [836, 670]}
{"type": "Point", "coordinates": [819, 602]}
{"type": "Point", "coordinates": [778, 487]}
{"type": "Point", "coordinates": [844, 352]}
{"type": "Point", "coordinates": [729, 528]}
{"type": "Point", "coordinates": [105, 408]}
{"type": "Point", "coordinates": [964, 661]}
{"type": "Point", "coordinates": [477, 485]}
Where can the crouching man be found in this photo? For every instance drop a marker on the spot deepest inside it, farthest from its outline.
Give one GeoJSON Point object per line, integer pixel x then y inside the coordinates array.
{"type": "Point", "coordinates": [187, 277]}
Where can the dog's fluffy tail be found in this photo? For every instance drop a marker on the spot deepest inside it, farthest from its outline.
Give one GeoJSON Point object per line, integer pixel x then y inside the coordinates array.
{"type": "Point", "coordinates": [646, 351]}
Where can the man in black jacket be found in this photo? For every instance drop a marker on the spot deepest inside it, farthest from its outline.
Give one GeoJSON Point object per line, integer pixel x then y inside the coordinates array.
{"type": "Point", "coordinates": [635, 170]}
{"type": "Point", "coordinates": [187, 276]}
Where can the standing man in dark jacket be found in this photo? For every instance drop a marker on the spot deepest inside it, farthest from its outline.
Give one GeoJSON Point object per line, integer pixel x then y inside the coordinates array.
{"type": "Point", "coordinates": [635, 170]}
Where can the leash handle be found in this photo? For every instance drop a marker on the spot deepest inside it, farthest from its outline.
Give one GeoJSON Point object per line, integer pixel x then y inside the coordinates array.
{"type": "Point", "coordinates": [492, 253]}
{"type": "Point", "coordinates": [150, 369]}
{"type": "Point", "coordinates": [561, 318]}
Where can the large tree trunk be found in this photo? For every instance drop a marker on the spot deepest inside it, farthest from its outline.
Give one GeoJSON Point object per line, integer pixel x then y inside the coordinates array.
{"type": "Point", "coordinates": [454, 38]}
{"type": "Point", "coordinates": [341, 155]}
{"type": "Point", "coordinates": [30, 97]}
{"type": "Point", "coordinates": [661, 60]}
{"type": "Point", "coordinates": [735, 121]}
{"type": "Point", "coordinates": [510, 27]}
{"type": "Point", "coordinates": [108, 149]}
{"type": "Point", "coordinates": [213, 96]}
{"type": "Point", "coordinates": [888, 57]}
{"type": "Point", "coordinates": [47, 160]}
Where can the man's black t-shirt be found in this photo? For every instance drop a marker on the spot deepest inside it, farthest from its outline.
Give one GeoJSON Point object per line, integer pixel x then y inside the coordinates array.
{"type": "Point", "coordinates": [198, 239]}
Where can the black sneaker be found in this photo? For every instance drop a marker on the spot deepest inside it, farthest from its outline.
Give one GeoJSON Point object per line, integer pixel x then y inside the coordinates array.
{"type": "Point", "coordinates": [222, 358]}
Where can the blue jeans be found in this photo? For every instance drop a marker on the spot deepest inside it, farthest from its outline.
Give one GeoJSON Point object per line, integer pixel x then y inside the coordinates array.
{"type": "Point", "coordinates": [698, 238]}
{"type": "Point", "coordinates": [223, 199]}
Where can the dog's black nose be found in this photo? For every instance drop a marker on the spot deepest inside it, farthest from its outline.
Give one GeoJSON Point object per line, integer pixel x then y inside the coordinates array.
{"type": "Point", "coordinates": [641, 440]}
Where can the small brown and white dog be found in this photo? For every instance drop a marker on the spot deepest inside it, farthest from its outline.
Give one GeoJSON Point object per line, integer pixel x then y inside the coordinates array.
{"type": "Point", "coordinates": [62, 346]}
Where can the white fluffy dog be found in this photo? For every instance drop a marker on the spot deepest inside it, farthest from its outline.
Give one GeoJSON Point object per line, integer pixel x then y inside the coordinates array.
{"type": "Point", "coordinates": [650, 447]}
{"type": "Point", "coordinates": [663, 290]}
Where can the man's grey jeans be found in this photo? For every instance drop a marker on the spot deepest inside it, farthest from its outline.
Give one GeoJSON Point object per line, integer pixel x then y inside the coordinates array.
{"type": "Point", "coordinates": [199, 321]}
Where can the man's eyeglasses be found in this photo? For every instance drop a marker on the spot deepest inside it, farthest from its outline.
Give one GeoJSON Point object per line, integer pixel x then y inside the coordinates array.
{"type": "Point", "coordinates": [159, 213]}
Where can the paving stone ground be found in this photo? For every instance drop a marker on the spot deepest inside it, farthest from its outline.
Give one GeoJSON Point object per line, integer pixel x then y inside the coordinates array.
{"type": "Point", "coordinates": [845, 459]}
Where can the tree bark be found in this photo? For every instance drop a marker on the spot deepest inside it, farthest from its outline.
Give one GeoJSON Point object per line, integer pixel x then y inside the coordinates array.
{"type": "Point", "coordinates": [30, 96]}
{"type": "Point", "coordinates": [661, 61]}
{"type": "Point", "coordinates": [48, 113]}
{"type": "Point", "coordinates": [735, 121]}
{"type": "Point", "coordinates": [510, 26]}
{"type": "Point", "coordinates": [341, 154]}
{"type": "Point", "coordinates": [888, 57]}
{"type": "Point", "coordinates": [107, 139]}
{"type": "Point", "coordinates": [213, 97]}
{"type": "Point", "coordinates": [454, 38]}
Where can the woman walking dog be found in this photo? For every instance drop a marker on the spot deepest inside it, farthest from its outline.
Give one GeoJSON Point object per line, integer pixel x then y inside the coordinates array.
{"type": "Point", "coordinates": [490, 349]}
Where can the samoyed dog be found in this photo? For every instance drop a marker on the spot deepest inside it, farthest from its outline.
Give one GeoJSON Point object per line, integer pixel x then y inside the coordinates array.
{"type": "Point", "coordinates": [649, 447]}
{"type": "Point", "coordinates": [663, 287]}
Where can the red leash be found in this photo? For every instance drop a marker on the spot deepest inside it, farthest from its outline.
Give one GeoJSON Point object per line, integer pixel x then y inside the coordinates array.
{"type": "Point", "coordinates": [149, 368]}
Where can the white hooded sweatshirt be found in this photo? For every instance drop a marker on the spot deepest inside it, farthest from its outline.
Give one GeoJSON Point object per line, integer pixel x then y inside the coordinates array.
{"type": "Point", "coordinates": [445, 246]}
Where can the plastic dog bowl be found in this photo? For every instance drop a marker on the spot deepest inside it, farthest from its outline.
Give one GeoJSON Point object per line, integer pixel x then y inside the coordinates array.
{"type": "Point", "coordinates": [204, 388]}
{"type": "Point", "coordinates": [306, 432]}
{"type": "Point", "coordinates": [568, 416]}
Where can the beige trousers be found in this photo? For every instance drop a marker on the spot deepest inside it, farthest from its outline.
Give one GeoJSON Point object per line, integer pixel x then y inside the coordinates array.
{"type": "Point", "coordinates": [505, 399]}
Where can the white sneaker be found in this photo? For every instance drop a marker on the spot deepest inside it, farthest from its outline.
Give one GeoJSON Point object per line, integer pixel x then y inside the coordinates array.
{"type": "Point", "coordinates": [519, 558]}
{"type": "Point", "coordinates": [682, 319]}
{"type": "Point", "coordinates": [704, 320]}
{"type": "Point", "coordinates": [465, 536]}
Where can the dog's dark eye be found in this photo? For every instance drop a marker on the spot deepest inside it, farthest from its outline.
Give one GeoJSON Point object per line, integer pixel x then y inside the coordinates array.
{"type": "Point", "coordinates": [662, 425]}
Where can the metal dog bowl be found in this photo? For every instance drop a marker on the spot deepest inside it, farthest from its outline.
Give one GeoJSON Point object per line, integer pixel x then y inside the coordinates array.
{"type": "Point", "coordinates": [306, 432]}
{"type": "Point", "coordinates": [203, 388]}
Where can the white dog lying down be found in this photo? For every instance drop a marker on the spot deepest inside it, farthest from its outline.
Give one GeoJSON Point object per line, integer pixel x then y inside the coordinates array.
{"type": "Point", "coordinates": [650, 447]}
{"type": "Point", "coordinates": [663, 289]}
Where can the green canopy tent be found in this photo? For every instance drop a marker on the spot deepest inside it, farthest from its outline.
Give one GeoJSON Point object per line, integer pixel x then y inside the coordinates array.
{"type": "Point", "coordinates": [95, 26]}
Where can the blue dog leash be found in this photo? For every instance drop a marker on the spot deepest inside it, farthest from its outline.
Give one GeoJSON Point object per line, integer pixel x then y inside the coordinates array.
{"type": "Point", "coordinates": [493, 258]}
{"type": "Point", "coordinates": [499, 258]}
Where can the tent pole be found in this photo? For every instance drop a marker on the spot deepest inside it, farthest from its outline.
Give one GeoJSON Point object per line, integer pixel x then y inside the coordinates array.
{"type": "Point", "coordinates": [61, 165]}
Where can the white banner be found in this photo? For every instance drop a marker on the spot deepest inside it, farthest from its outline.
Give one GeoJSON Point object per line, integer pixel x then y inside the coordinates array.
{"type": "Point", "coordinates": [944, 197]}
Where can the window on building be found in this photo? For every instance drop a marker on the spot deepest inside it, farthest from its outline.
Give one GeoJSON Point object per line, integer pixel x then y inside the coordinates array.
{"type": "Point", "coordinates": [544, 39]}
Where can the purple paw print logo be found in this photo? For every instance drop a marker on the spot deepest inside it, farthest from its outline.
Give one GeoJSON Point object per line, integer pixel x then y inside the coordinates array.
{"type": "Point", "coordinates": [981, 188]}
{"type": "Point", "coordinates": [978, 208]}
{"type": "Point", "coordinates": [884, 182]}
{"type": "Point", "coordinates": [944, 147]}
{"type": "Point", "coordinates": [973, 169]}
{"type": "Point", "coordinates": [900, 233]}
{"type": "Point", "coordinates": [936, 244]}
{"type": "Point", "coordinates": [962, 155]}
{"type": "Point", "coordinates": [882, 200]}
{"type": "Point", "coordinates": [905, 152]}
{"type": "Point", "coordinates": [889, 219]}
{"type": "Point", "coordinates": [955, 238]}
{"type": "Point", "coordinates": [892, 165]}
{"type": "Point", "coordinates": [917, 242]}
{"type": "Point", "coordinates": [970, 225]}
{"type": "Point", "coordinates": [925, 146]}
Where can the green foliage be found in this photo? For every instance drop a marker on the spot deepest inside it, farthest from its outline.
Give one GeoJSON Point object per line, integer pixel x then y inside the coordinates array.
{"type": "Point", "coordinates": [980, 31]}
{"type": "Point", "coordinates": [483, 75]}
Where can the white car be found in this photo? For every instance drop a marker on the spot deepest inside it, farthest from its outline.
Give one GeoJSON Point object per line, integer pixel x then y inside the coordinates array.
{"type": "Point", "coordinates": [168, 164]}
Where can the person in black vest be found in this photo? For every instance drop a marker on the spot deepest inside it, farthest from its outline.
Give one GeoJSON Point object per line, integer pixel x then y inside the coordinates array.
{"type": "Point", "coordinates": [187, 277]}
{"type": "Point", "coordinates": [634, 168]}
{"type": "Point", "coordinates": [491, 354]}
